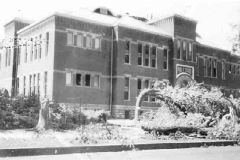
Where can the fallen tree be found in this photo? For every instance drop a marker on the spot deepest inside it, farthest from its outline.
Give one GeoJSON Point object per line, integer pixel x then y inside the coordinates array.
{"type": "Point", "coordinates": [194, 98]}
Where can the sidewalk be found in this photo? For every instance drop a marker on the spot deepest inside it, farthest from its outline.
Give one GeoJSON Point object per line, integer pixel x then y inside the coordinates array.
{"type": "Point", "coordinates": [106, 148]}
{"type": "Point", "coordinates": [59, 145]}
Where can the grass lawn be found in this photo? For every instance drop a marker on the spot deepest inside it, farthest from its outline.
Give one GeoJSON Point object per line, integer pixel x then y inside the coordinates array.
{"type": "Point", "coordinates": [119, 132]}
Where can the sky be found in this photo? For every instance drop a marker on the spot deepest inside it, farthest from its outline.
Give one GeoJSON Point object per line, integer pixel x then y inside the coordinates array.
{"type": "Point", "coordinates": [213, 16]}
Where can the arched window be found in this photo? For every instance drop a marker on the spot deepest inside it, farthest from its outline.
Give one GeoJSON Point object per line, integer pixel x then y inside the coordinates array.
{"type": "Point", "coordinates": [103, 10]}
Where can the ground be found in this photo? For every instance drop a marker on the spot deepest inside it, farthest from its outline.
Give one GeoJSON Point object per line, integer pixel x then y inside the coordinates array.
{"type": "Point", "coordinates": [20, 138]}
{"type": "Point", "coordinates": [210, 153]}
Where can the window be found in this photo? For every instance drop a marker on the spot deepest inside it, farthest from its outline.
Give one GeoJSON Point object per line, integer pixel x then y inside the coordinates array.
{"type": "Point", "coordinates": [223, 70]}
{"type": "Point", "coordinates": [47, 43]}
{"type": "Point", "coordinates": [35, 49]}
{"type": "Point", "coordinates": [17, 86]}
{"type": "Point", "coordinates": [38, 83]}
{"type": "Point", "coordinates": [45, 84]}
{"type": "Point", "coordinates": [31, 49]}
{"type": "Point", "coordinates": [97, 43]}
{"type": "Point", "coordinates": [9, 56]}
{"type": "Point", "coordinates": [25, 58]}
{"type": "Point", "coordinates": [154, 57]}
{"type": "Point", "coordinates": [103, 11]}
{"type": "Point", "coordinates": [209, 67]}
{"type": "Point", "coordinates": [230, 68]}
{"type": "Point", "coordinates": [88, 80]}
{"type": "Point", "coordinates": [197, 65]}
{"type": "Point", "coordinates": [190, 52]}
{"type": "Point", "coordinates": [24, 85]}
{"type": "Point", "coordinates": [69, 79]}
{"type": "Point", "coordinates": [165, 59]}
{"type": "Point", "coordinates": [146, 85]}
{"type": "Point", "coordinates": [6, 60]}
{"type": "Point", "coordinates": [75, 40]}
{"type": "Point", "coordinates": [40, 46]}
{"type": "Point", "coordinates": [70, 38]}
{"type": "Point", "coordinates": [146, 55]}
{"type": "Point", "coordinates": [233, 69]}
{"type": "Point", "coordinates": [30, 85]}
{"type": "Point", "coordinates": [126, 88]}
{"type": "Point", "coordinates": [78, 79]}
{"type": "Point", "coordinates": [205, 67]}
{"type": "Point", "coordinates": [184, 56]}
{"type": "Point", "coordinates": [214, 68]}
{"type": "Point", "coordinates": [178, 49]}
{"type": "Point", "coordinates": [96, 81]}
{"type": "Point", "coordinates": [19, 55]}
{"type": "Point", "coordinates": [152, 98]}
{"type": "Point", "coordinates": [34, 84]}
{"type": "Point", "coordinates": [127, 114]}
{"type": "Point", "coordinates": [127, 52]}
{"type": "Point", "coordinates": [89, 42]}
{"type": "Point", "coordinates": [140, 49]}
{"type": "Point", "coordinates": [79, 40]}
{"type": "Point", "coordinates": [139, 86]}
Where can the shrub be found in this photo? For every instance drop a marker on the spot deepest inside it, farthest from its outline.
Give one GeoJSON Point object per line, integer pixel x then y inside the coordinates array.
{"type": "Point", "coordinates": [194, 98]}
{"type": "Point", "coordinates": [18, 112]}
{"type": "Point", "coordinates": [65, 115]}
{"type": "Point", "coordinates": [225, 129]}
{"type": "Point", "coordinates": [163, 117]}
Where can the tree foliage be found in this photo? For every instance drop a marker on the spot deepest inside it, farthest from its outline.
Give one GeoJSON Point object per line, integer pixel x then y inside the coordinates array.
{"type": "Point", "coordinates": [18, 112]}
{"type": "Point", "coordinates": [235, 38]}
{"type": "Point", "coordinates": [196, 99]}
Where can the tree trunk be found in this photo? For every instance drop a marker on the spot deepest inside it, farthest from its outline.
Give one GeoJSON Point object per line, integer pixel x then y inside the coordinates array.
{"type": "Point", "coordinates": [153, 92]}
{"type": "Point", "coordinates": [139, 100]}
{"type": "Point", "coordinates": [234, 110]}
{"type": "Point", "coordinates": [43, 116]}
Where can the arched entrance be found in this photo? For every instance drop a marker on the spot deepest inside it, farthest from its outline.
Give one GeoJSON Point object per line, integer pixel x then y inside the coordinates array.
{"type": "Point", "coordinates": [183, 79]}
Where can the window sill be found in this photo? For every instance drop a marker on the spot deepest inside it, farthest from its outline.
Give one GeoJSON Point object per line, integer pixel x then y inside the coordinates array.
{"type": "Point", "coordinates": [83, 47]}
{"type": "Point", "coordinates": [84, 86]}
{"type": "Point", "coordinates": [147, 67]}
{"type": "Point", "coordinates": [210, 77]}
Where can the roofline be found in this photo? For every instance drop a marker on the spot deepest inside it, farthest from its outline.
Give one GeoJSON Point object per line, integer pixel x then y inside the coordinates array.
{"type": "Point", "coordinates": [187, 18]}
{"type": "Point", "coordinates": [19, 20]}
{"type": "Point", "coordinates": [213, 47]}
{"type": "Point", "coordinates": [172, 15]}
{"type": "Point", "coordinates": [167, 36]}
{"type": "Point", "coordinates": [62, 15]}
{"type": "Point", "coordinates": [33, 24]}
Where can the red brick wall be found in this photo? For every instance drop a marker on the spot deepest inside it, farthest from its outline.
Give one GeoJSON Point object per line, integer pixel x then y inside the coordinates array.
{"type": "Point", "coordinates": [81, 59]}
